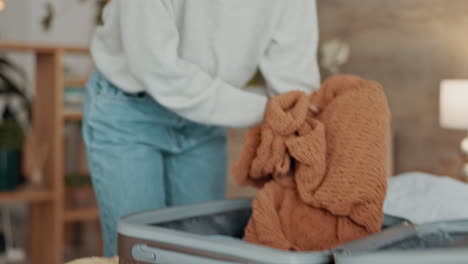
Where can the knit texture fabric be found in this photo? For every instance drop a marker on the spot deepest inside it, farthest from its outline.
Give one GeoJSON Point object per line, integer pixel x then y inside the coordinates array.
{"type": "Point", "coordinates": [322, 176]}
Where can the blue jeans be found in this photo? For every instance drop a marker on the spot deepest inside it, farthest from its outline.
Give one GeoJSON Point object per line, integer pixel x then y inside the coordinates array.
{"type": "Point", "coordinates": [143, 156]}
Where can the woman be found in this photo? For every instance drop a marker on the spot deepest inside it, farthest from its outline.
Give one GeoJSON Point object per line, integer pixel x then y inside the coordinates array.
{"type": "Point", "coordinates": [168, 80]}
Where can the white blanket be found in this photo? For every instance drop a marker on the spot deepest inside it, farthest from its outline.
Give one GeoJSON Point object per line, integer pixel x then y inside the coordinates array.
{"type": "Point", "coordinates": [422, 198]}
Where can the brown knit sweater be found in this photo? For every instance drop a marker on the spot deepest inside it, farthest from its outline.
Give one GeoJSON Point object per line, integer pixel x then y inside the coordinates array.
{"type": "Point", "coordinates": [322, 176]}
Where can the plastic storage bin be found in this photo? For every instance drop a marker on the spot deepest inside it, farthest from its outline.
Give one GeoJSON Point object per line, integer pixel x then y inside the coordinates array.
{"type": "Point", "coordinates": [191, 234]}
{"type": "Point", "coordinates": [443, 242]}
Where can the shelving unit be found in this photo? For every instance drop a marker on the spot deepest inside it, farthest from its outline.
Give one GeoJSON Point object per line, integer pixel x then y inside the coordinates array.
{"type": "Point", "coordinates": [25, 194]}
{"type": "Point", "coordinates": [72, 115]}
{"type": "Point", "coordinates": [47, 211]}
{"type": "Point", "coordinates": [75, 82]}
{"type": "Point", "coordinates": [87, 214]}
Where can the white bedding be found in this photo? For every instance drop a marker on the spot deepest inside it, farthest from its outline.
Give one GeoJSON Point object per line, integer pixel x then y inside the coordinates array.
{"type": "Point", "coordinates": [422, 198]}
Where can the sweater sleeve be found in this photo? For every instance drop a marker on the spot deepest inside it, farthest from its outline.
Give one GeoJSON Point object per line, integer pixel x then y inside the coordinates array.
{"type": "Point", "coordinates": [151, 40]}
{"type": "Point", "coordinates": [290, 61]}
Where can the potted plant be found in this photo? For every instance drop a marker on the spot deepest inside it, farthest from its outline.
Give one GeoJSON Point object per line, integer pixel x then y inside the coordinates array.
{"type": "Point", "coordinates": [14, 121]}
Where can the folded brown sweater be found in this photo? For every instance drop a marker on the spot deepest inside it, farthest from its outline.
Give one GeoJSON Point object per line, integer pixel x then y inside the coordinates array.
{"type": "Point", "coordinates": [322, 175]}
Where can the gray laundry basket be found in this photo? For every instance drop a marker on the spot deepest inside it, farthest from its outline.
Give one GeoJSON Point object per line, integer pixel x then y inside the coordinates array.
{"type": "Point", "coordinates": [190, 234]}
{"type": "Point", "coordinates": [443, 242]}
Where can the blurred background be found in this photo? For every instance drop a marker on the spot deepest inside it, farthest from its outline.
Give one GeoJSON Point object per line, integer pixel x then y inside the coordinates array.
{"type": "Point", "coordinates": [48, 207]}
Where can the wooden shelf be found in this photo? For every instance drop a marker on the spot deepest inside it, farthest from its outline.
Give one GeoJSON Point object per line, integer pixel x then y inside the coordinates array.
{"type": "Point", "coordinates": [75, 49]}
{"type": "Point", "coordinates": [42, 48]}
{"type": "Point", "coordinates": [47, 211]}
{"type": "Point", "coordinates": [73, 115]}
{"type": "Point", "coordinates": [75, 82]}
{"type": "Point", "coordinates": [26, 194]}
{"type": "Point", "coordinates": [80, 215]}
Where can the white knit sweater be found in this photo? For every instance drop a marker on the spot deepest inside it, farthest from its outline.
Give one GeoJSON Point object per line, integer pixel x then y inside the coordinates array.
{"type": "Point", "coordinates": [193, 57]}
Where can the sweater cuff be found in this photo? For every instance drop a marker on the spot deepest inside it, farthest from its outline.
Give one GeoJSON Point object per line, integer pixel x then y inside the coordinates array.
{"type": "Point", "coordinates": [238, 108]}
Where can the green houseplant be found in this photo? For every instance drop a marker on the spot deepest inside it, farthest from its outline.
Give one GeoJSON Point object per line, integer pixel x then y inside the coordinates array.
{"type": "Point", "coordinates": [14, 121]}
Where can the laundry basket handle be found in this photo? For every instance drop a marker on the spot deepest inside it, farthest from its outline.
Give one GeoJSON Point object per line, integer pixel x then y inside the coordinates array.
{"type": "Point", "coordinates": [141, 252]}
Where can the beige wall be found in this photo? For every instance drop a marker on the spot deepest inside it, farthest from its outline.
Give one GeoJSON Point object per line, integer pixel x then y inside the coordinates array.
{"type": "Point", "coordinates": [408, 46]}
